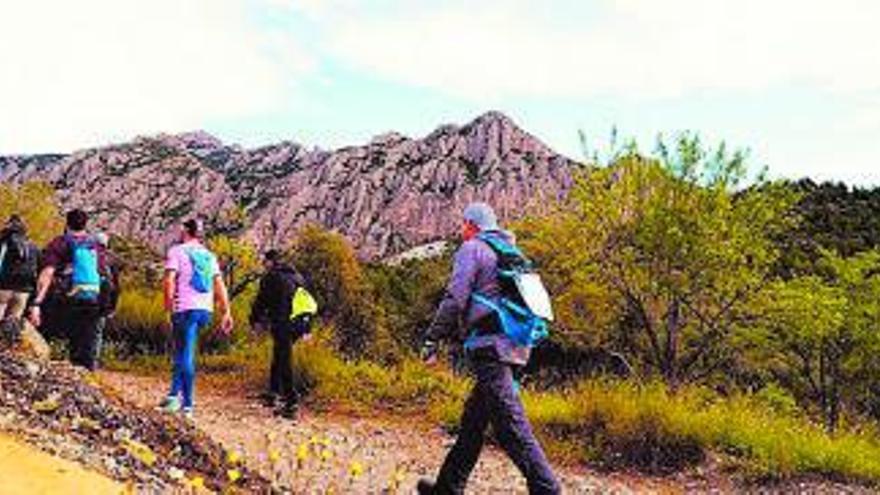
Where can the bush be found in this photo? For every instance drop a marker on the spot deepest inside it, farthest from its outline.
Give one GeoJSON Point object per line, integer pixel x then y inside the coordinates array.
{"type": "Point", "coordinates": [365, 386]}
{"type": "Point", "coordinates": [409, 293]}
{"type": "Point", "coordinates": [140, 322]}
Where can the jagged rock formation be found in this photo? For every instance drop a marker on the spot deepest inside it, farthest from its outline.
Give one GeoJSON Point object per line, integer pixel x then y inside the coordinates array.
{"type": "Point", "coordinates": [386, 196]}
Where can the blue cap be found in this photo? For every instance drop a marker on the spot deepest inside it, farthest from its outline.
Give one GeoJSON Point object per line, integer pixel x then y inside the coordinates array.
{"type": "Point", "coordinates": [481, 215]}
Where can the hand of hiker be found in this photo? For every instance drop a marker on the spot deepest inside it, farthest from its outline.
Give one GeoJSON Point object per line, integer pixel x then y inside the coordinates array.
{"type": "Point", "coordinates": [226, 324]}
{"type": "Point", "coordinates": [34, 316]}
{"type": "Point", "coordinates": [428, 352]}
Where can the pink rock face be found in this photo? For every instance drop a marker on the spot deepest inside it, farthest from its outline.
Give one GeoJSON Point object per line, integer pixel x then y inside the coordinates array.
{"type": "Point", "coordinates": [386, 197]}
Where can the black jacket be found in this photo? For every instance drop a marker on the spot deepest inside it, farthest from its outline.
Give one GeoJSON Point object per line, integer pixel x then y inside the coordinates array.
{"type": "Point", "coordinates": [18, 275]}
{"type": "Point", "coordinates": [274, 298]}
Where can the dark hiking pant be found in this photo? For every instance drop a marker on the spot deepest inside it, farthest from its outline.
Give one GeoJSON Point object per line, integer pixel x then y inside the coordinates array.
{"type": "Point", "coordinates": [494, 401]}
{"type": "Point", "coordinates": [98, 342]}
{"type": "Point", "coordinates": [281, 383]}
{"type": "Point", "coordinates": [82, 323]}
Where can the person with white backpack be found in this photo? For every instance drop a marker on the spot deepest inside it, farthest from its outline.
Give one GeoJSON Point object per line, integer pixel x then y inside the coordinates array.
{"type": "Point", "coordinates": [505, 310]}
{"type": "Point", "coordinates": [193, 285]}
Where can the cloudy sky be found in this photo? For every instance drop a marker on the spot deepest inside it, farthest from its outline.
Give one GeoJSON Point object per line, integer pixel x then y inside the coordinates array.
{"type": "Point", "coordinates": [798, 83]}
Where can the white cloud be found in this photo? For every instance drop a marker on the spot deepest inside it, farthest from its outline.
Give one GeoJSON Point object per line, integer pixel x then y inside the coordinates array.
{"type": "Point", "coordinates": [87, 72]}
{"type": "Point", "coordinates": [639, 49]}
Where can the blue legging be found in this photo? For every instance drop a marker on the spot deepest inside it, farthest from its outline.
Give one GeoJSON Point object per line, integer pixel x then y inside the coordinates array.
{"type": "Point", "coordinates": [186, 332]}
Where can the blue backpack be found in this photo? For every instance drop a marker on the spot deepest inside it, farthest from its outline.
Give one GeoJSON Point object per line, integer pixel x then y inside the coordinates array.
{"type": "Point", "coordinates": [202, 261]}
{"type": "Point", "coordinates": [523, 310]}
{"type": "Point", "coordinates": [85, 270]}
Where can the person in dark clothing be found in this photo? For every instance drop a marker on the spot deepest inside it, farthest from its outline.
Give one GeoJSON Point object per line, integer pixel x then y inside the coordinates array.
{"type": "Point", "coordinates": [72, 266]}
{"type": "Point", "coordinates": [493, 357]}
{"type": "Point", "coordinates": [272, 309]}
{"type": "Point", "coordinates": [19, 259]}
{"type": "Point", "coordinates": [109, 299]}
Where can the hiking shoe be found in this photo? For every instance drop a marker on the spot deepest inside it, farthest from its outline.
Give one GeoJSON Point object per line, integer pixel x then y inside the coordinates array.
{"type": "Point", "coordinates": [188, 413]}
{"type": "Point", "coordinates": [170, 405]}
{"type": "Point", "coordinates": [287, 410]}
{"type": "Point", "coordinates": [269, 399]}
{"type": "Point", "coordinates": [425, 487]}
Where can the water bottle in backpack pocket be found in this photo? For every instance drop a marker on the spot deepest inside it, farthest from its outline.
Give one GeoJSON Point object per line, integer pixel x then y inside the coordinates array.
{"type": "Point", "coordinates": [202, 261]}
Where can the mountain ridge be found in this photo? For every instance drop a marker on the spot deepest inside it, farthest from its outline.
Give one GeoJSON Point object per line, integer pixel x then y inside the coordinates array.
{"type": "Point", "coordinates": [387, 195]}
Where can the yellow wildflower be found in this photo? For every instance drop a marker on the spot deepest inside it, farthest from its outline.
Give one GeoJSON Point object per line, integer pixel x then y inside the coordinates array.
{"type": "Point", "coordinates": [302, 452]}
{"type": "Point", "coordinates": [233, 457]}
{"type": "Point", "coordinates": [356, 469]}
{"type": "Point", "coordinates": [233, 474]}
{"type": "Point", "coordinates": [197, 482]}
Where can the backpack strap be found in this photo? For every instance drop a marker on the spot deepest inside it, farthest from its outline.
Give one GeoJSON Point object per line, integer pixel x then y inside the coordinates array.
{"type": "Point", "coordinates": [2, 255]}
{"type": "Point", "coordinates": [510, 257]}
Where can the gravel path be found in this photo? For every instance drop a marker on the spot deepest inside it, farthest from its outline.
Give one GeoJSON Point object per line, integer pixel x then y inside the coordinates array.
{"type": "Point", "coordinates": [318, 453]}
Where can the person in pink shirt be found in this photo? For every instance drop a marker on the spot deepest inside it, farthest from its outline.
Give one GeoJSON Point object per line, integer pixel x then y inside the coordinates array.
{"type": "Point", "coordinates": [193, 285]}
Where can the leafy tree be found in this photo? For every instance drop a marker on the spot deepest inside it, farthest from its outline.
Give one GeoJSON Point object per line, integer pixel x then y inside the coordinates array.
{"type": "Point", "coordinates": [35, 202]}
{"type": "Point", "coordinates": [658, 257]}
{"type": "Point", "coordinates": [819, 335]}
{"type": "Point", "coordinates": [834, 216]}
{"type": "Point", "coordinates": [409, 292]}
{"type": "Point", "coordinates": [239, 260]}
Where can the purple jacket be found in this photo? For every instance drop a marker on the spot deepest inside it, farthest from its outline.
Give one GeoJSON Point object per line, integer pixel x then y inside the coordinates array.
{"type": "Point", "coordinates": [474, 270]}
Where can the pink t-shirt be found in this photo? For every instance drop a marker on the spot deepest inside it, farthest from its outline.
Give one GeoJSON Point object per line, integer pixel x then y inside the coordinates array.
{"type": "Point", "coordinates": [186, 297]}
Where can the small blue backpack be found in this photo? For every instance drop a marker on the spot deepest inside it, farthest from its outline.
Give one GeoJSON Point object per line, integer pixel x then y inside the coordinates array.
{"type": "Point", "coordinates": [202, 261]}
{"type": "Point", "coordinates": [523, 310]}
{"type": "Point", "coordinates": [85, 272]}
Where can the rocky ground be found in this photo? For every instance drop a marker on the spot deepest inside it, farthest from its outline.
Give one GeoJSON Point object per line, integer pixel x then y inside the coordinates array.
{"type": "Point", "coordinates": [63, 411]}
{"type": "Point", "coordinates": [321, 452]}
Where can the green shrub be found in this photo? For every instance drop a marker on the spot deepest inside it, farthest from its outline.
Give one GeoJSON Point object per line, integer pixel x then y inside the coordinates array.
{"type": "Point", "coordinates": [363, 385]}
{"type": "Point", "coordinates": [140, 322]}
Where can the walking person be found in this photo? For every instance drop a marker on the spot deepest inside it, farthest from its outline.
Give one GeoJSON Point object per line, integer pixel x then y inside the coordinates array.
{"type": "Point", "coordinates": [74, 267]}
{"type": "Point", "coordinates": [109, 300]}
{"type": "Point", "coordinates": [276, 308]}
{"type": "Point", "coordinates": [473, 290]}
{"type": "Point", "coordinates": [18, 275]}
{"type": "Point", "coordinates": [193, 285]}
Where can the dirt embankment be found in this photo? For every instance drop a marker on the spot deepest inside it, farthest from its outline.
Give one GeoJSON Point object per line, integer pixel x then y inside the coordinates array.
{"type": "Point", "coordinates": [63, 411]}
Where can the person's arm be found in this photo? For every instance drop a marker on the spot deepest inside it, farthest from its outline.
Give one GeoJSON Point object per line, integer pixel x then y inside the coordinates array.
{"type": "Point", "coordinates": [44, 281]}
{"type": "Point", "coordinates": [258, 309]}
{"type": "Point", "coordinates": [221, 299]}
{"type": "Point", "coordinates": [456, 300]}
{"type": "Point", "coordinates": [169, 288]}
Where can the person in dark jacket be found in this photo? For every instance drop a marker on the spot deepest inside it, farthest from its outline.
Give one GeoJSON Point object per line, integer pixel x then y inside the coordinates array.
{"type": "Point", "coordinates": [19, 258]}
{"type": "Point", "coordinates": [80, 318]}
{"type": "Point", "coordinates": [494, 399]}
{"type": "Point", "coordinates": [272, 309]}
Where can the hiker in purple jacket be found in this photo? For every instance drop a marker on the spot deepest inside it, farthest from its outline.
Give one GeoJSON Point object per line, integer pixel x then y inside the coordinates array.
{"type": "Point", "coordinates": [494, 399]}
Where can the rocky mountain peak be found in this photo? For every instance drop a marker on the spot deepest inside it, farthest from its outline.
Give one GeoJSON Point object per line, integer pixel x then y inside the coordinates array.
{"type": "Point", "coordinates": [387, 196]}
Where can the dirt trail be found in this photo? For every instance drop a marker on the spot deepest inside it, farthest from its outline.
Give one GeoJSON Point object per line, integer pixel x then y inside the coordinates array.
{"type": "Point", "coordinates": [27, 470]}
{"type": "Point", "coordinates": [318, 452]}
